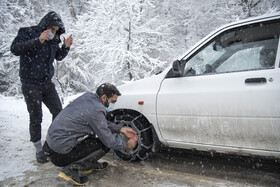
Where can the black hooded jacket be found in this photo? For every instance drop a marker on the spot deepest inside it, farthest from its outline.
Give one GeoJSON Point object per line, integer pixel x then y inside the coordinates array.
{"type": "Point", "coordinates": [36, 59]}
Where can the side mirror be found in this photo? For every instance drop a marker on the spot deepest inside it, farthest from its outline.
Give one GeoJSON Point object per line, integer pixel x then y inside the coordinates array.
{"type": "Point", "coordinates": [178, 68]}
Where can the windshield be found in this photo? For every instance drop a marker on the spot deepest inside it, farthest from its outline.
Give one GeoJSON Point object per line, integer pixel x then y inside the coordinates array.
{"type": "Point", "coordinates": [243, 49]}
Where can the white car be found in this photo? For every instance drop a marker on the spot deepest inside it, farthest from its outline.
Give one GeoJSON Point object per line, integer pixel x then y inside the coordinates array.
{"type": "Point", "coordinates": [223, 95]}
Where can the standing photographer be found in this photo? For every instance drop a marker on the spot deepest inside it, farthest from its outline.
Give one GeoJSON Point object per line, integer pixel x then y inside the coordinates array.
{"type": "Point", "coordinates": [37, 47]}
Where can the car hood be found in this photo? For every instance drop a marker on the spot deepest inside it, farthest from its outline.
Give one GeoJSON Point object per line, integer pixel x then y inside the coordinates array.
{"type": "Point", "coordinates": [144, 90]}
{"type": "Point", "coordinates": [142, 86]}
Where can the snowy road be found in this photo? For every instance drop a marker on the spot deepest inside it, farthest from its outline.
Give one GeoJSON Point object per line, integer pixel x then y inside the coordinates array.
{"type": "Point", "coordinates": [170, 167]}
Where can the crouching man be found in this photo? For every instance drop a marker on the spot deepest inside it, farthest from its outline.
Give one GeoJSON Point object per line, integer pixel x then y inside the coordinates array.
{"type": "Point", "coordinates": [80, 135]}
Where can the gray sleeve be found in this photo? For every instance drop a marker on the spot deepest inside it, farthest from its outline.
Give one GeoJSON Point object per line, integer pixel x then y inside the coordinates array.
{"type": "Point", "coordinates": [113, 127]}
{"type": "Point", "coordinates": [99, 124]}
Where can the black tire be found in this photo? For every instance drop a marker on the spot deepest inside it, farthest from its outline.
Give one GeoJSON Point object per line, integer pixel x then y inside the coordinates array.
{"type": "Point", "coordinates": [144, 131]}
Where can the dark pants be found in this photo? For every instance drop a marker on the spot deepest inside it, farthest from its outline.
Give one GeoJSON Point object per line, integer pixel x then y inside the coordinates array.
{"type": "Point", "coordinates": [34, 95]}
{"type": "Point", "coordinates": [80, 151]}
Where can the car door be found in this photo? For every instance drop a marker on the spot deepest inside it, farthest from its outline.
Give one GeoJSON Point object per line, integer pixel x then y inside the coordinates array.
{"type": "Point", "coordinates": [229, 94]}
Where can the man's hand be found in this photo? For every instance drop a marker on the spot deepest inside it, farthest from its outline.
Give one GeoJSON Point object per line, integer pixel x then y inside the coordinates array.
{"type": "Point", "coordinates": [131, 143]}
{"type": "Point", "coordinates": [68, 42]}
{"type": "Point", "coordinates": [132, 135]}
{"type": "Point", "coordinates": [129, 132]}
{"type": "Point", "coordinates": [45, 36]}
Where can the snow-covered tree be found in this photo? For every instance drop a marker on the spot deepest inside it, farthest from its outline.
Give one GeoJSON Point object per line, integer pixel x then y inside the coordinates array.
{"type": "Point", "coordinates": [118, 40]}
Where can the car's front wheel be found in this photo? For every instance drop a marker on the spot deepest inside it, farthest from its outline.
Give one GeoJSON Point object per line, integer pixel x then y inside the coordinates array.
{"type": "Point", "coordinates": [145, 137]}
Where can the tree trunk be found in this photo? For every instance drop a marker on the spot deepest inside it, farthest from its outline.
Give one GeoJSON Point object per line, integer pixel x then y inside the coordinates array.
{"type": "Point", "coordinates": [72, 10]}
{"type": "Point", "coordinates": [128, 49]}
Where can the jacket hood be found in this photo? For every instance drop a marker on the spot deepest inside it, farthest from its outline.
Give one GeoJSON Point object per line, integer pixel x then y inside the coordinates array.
{"type": "Point", "coordinates": [52, 18]}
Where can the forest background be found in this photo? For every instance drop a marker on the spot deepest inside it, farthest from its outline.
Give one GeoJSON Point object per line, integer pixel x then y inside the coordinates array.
{"type": "Point", "coordinates": [118, 40]}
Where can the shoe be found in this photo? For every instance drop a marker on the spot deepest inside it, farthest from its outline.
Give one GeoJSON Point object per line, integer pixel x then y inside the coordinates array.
{"type": "Point", "coordinates": [41, 157]}
{"type": "Point", "coordinates": [73, 178]}
{"type": "Point", "coordinates": [99, 167]}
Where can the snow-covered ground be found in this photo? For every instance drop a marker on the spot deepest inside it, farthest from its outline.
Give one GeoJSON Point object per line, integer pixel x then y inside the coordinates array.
{"type": "Point", "coordinates": [17, 153]}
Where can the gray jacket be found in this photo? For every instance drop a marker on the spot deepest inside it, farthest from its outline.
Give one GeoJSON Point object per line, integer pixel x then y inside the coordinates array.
{"type": "Point", "coordinates": [84, 116]}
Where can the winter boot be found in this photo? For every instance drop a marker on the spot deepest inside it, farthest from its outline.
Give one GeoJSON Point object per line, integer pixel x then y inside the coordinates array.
{"type": "Point", "coordinates": [98, 167]}
{"type": "Point", "coordinates": [41, 157]}
{"type": "Point", "coordinates": [71, 173]}
{"type": "Point", "coordinates": [90, 162]}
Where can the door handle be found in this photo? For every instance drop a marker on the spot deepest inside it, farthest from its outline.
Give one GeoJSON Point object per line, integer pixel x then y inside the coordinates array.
{"type": "Point", "coordinates": [255, 80]}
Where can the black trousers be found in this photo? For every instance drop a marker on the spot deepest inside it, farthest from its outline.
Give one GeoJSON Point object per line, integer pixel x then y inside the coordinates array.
{"type": "Point", "coordinates": [83, 149]}
{"type": "Point", "coordinates": [34, 95]}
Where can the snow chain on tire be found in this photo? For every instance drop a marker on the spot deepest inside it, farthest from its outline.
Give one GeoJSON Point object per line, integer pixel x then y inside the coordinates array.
{"type": "Point", "coordinates": [131, 123]}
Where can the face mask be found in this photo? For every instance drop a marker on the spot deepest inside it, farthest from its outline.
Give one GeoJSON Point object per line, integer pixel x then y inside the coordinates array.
{"type": "Point", "coordinates": [51, 35]}
{"type": "Point", "coordinates": [110, 107]}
